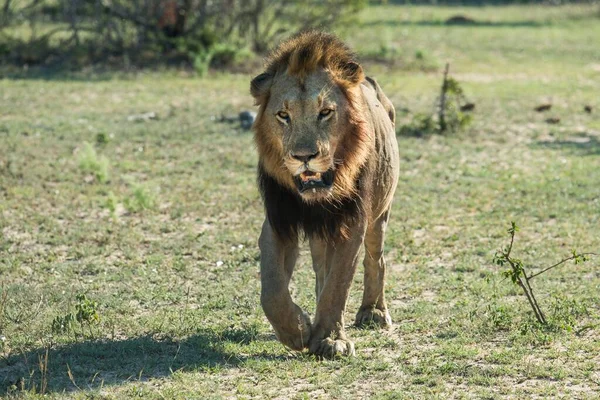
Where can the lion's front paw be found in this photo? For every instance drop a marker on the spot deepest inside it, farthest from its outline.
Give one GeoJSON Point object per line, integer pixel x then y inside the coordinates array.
{"type": "Point", "coordinates": [295, 332]}
{"type": "Point", "coordinates": [331, 348]}
{"type": "Point", "coordinates": [373, 317]}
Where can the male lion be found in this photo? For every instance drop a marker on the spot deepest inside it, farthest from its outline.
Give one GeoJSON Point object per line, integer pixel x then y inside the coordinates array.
{"type": "Point", "coordinates": [328, 167]}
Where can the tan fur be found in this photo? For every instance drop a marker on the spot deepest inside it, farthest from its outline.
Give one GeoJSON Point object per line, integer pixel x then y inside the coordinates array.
{"type": "Point", "coordinates": [302, 76]}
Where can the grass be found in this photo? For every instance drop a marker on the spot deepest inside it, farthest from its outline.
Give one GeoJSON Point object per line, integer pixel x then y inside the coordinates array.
{"type": "Point", "coordinates": [166, 243]}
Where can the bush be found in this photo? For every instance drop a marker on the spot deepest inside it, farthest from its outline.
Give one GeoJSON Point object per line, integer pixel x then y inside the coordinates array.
{"type": "Point", "coordinates": [90, 162]}
{"type": "Point", "coordinates": [452, 112]}
{"type": "Point", "coordinates": [198, 31]}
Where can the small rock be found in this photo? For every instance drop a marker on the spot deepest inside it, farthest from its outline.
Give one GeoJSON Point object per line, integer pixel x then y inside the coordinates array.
{"type": "Point", "coordinates": [247, 118]}
{"type": "Point", "coordinates": [467, 107]}
{"type": "Point", "coordinates": [543, 107]}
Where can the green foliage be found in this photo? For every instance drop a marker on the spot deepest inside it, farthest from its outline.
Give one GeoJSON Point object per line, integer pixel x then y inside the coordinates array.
{"type": "Point", "coordinates": [63, 324]}
{"type": "Point", "coordinates": [420, 125]}
{"type": "Point", "coordinates": [140, 32]}
{"type": "Point", "coordinates": [86, 313]}
{"type": "Point", "coordinates": [202, 62]}
{"type": "Point", "coordinates": [92, 163]}
{"type": "Point", "coordinates": [87, 310]}
{"type": "Point", "coordinates": [565, 313]}
{"type": "Point", "coordinates": [519, 276]}
{"type": "Point", "coordinates": [111, 204]}
{"type": "Point", "coordinates": [449, 117]}
{"type": "Point", "coordinates": [141, 198]}
{"type": "Point", "coordinates": [102, 138]}
{"type": "Point", "coordinates": [219, 56]}
{"type": "Point", "coordinates": [503, 258]}
{"type": "Point", "coordinates": [500, 316]}
{"type": "Point", "coordinates": [225, 55]}
{"type": "Point", "coordinates": [579, 258]}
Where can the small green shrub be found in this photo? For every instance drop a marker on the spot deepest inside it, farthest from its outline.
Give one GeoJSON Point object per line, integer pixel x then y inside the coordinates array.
{"type": "Point", "coordinates": [500, 316]}
{"type": "Point", "coordinates": [228, 55]}
{"type": "Point", "coordinates": [141, 198]}
{"type": "Point", "coordinates": [452, 111]}
{"type": "Point", "coordinates": [111, 204]}
{"type": "Point", "coordinates": [420, 125]}
{"type": "Point", "coordinates": [86, 314]}
{"type": "Point", "coordinates": [451, 117]}
{"type": "Point", "coordinates": [63, 324]}
{"type": "Point", "coordinates": [87, 310]}
{"type": "Point", "coordinates": [92, 163]}
{"type": "Point", "coordinates": [221, 55]}
{"type": "Point", "coordinates": [201, 61]}
{"type": "Point", "coordinates": [565, 312]}
{"type": "Point", "coordinates": [102, 138]}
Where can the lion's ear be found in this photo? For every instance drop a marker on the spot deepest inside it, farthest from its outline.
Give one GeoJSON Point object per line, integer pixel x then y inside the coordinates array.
{"type": "Point", "coordinates": [353, 72]}
{"type": "Point", "coordinates": [259, 87]}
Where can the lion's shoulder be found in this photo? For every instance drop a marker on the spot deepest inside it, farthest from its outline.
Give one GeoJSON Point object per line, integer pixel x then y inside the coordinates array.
{"type": "Point", "coordinates": [372, 86]}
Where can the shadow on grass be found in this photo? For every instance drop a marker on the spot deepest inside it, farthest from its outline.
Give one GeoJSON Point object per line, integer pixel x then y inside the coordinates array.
{"type": "Point", "coordinates": [471, 23]}
{"type": "Point", "coordinates": [583, 144]}
{"type": "Point", "coordinates": [96, 364]}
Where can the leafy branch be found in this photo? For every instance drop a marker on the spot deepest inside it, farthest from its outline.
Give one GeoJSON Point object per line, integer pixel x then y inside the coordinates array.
{"type": "Point", "coordinates": [518, 275]}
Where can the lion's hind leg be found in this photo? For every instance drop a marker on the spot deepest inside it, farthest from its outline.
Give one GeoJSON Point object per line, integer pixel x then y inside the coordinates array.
{"type": "Point", "coordinates": [373, 311]}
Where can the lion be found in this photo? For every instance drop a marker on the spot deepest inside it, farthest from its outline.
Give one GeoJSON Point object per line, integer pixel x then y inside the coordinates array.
{"type": "Point", "coordinates": [327, 171]}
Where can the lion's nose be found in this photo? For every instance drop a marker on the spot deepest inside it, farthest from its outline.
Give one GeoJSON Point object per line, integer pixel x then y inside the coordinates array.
{"type": "Point", "coordinates": [304, 155]}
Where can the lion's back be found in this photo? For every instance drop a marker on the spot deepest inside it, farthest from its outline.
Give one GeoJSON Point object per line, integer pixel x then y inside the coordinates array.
{"type": "Point", "coordinates": [386, 159]}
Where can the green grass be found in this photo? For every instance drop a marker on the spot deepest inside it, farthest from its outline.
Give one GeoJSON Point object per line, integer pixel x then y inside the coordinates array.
{"type": "Point", "coordinates": [159, 226]}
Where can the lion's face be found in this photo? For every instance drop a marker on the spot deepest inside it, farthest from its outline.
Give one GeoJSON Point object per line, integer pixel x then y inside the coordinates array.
{"type": "Point", "coordinates": [311, 133]}
{"type": "Point", "coordinates": [306, 118]}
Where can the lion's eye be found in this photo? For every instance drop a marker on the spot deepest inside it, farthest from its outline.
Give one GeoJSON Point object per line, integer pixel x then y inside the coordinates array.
{"type": "Point", "coordinates": [325, 113]}
{"type": "Point", "coordinates": [283, 116]}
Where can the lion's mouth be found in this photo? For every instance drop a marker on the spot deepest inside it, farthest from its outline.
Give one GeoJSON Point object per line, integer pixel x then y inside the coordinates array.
{"type": "Point", "coordinates": [310, 180]}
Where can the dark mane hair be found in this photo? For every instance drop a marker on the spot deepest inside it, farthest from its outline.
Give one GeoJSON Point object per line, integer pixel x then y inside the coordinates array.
{"type": "Point", "coordinates": [289, 216]}
{"type": "Point", "coordinates": [304, 53]}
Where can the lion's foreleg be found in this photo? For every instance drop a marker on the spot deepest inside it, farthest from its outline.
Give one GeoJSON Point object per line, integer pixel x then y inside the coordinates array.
{"type": "Point", "coordinates": [373, 311]}
{"type": "Point", "coordinates": [277, 260]}
{"type": "Point", "coordinates": [318, 251]}
{"type": "Point", "coordinates": [328, 336]}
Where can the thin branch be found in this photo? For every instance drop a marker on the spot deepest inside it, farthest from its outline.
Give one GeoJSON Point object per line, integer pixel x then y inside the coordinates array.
{"type": "Point", "coordinates": [519, 274]}
{"type": "Point", "coordinates": [129, 17]}
{"type": "Point", "coordinates": [532, 302]}
{"type": "Point", "coordinates": [31, 5]}
{"type": "Point", "coordinates": [6, 7]}
{"type": "Point", "coordinates": [540, 314]}
{"type": "Point", "coordinates": [560, 263]}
